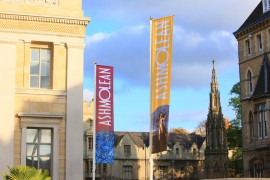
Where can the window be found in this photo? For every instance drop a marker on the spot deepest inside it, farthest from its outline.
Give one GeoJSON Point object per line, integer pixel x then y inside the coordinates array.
{"type": "Point", "coordinates": [177, 150]}
{"type": "Point", "coordinates": [162, 171]}
{"type": "Point", "coordinates": [32, 125]}
{"type": "Point", "coordinates": [91, 166]}
{"type": "Point", "coordinates": [250, 88]}
{"type": "Point", "coordinates": [90, 142]}
{"type": "Point", "coordinates": [40, 68]}
{"type": "Point", "coordinates": [87, 167]}
{"type": "Point", "coordinates": [127, 150]}
{"type": "Point", "coordinates": [251, 127]}
{"type": "Point", "coordinates": [248, 47]}
{"type": "Point", "coordinates": [259, 41]}
{"type": "Point", "coordinates": [265, 133]}
{"type": "Point", "coordinates": [104, 169]}
{"type": "Point", "coordinates": [194, 151]}
{"type": "Point", "coordinates": [39, 148]}
{"type": "Point", "coordinates": [127, 172]}
{"type": "Point", "coordinates": [262, 121]}
{"type": "Point", "coordinates": [256, 168]}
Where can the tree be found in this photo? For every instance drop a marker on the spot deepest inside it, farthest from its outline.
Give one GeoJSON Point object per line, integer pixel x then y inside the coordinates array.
{"type": "Point", "coordinates": [234, 133]}
{"type": "Point", "coordinates": [26, 173]}
{"type": "Point", "coordinates": [179, 131]}
{"type": "Point", "coordinates": [201, 128]}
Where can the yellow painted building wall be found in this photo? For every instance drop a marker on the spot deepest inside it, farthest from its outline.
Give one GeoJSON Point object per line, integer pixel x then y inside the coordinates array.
{"type": "Point", "coordinates": [61, 26]}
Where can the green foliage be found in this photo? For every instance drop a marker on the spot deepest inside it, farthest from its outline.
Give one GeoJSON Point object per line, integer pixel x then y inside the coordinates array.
{"type": "Point", "coordinates": [235, 100]}
{"type": "Point", "coordinates": [234, 133]}
{"type": "Point", "coordinates": [26, 173]}
{"type": "Point", "coordinates": [236, 162]}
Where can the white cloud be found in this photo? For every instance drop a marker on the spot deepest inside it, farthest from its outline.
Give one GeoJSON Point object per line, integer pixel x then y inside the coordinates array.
{"type": "Point", "coordinates": [188, 38]}
{"type": "Point", "coordinates": [88, 95]}
{"type": "Point", "coordinates": [97, 38]}
{"type": "Point", "coordinates": [188, 120]}
{"type": "Point", "coordinates": [137, 29]}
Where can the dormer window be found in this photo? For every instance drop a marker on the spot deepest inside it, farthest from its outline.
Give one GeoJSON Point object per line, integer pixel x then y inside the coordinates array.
{"type": "Point", "coordinates": [266, 5]}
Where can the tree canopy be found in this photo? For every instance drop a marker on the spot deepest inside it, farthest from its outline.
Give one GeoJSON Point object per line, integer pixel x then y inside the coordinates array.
{"type": "Point", "coordinates": [234, 133]}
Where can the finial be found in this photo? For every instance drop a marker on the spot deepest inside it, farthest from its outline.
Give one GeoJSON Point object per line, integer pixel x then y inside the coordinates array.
{"type": "Point", "coordinates": [151, 18]}
{"type": "Point", "coordinates": [213, 62]}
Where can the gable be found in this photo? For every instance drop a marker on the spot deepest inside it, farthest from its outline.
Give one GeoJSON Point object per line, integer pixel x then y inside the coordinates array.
{"type": "Point", "coordinates": [263, 82]}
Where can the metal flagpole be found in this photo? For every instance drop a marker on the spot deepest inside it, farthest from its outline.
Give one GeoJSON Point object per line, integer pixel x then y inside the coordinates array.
{"type": "Point", "coordinates": [150, 132]}
{"type": "Point", "coordinates": [94, 132]}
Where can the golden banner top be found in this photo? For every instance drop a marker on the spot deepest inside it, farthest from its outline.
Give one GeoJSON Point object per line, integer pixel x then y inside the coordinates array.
{"type": "Point", "coordinates": [161, 59]}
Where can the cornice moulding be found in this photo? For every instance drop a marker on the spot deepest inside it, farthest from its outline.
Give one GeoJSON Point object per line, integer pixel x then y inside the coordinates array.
{"type": "Point", "coordinates": [40, 115]}
{"type": "Point", "coordinates": [43, 18]}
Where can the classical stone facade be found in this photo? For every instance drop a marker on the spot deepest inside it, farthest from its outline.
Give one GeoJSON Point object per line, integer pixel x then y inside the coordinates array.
{"type": "Point", "coordinates": [253, 46]}
{"type": "Point", "coordinates": [216, 153]}
{"type": "Point", "coordinates": [41, 93]}
{"type": "Point", "coordinates": [183, 159]}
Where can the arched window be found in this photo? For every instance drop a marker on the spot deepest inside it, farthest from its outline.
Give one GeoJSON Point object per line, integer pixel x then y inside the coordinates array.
{"type": "Point", "coordinates": [250, 86]}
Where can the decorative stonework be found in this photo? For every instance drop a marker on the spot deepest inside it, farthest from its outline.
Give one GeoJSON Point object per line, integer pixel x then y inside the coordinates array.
{"type": "Point", "coordinates": [44, 28]}
{"type": "Point", "coordinates": [34, 2]}
{"type": "Point", "coordinates": [48, 19]}
{"type": "Point", "coordinates": [261, 25]}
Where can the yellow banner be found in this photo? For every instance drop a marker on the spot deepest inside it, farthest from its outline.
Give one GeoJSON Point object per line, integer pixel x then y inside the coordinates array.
{"type": "Point", "coordinates": [161, 60]}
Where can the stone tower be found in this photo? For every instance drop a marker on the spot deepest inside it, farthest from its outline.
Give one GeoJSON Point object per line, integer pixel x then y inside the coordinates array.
{"type": "Point", "coordinates": [216, 153]}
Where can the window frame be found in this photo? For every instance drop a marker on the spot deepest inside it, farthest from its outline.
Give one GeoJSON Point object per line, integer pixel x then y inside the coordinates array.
{"type": "Point", "coordinates": [127, 150]}
{"type": "Point", "coordinates": [248, 47]}
{"type": "Point", "coordinates": [265, 132]}
{"type": "Point", "coordinates": [252, 132]}
{"type": "Point", "coordinates": [260, 42]}
{"type": "Point", "coordinates": [250, 84]}
{"type": "Point", "coordinates": [41, 47]}
{"type": "Point", "coordinates": [39, 144]}
{"type": "Point", "coordinates": [43, 120]}
{"type": "Point", "coordinates": [127, 171]}
{"type": "Point", "coordinates": [260, 120]}
{"type": "Point", "coordinates": [90, 141]}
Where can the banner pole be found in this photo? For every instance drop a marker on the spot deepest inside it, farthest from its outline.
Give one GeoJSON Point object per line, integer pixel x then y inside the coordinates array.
{"type": "Point", "coordinates": [94, 131]}
{"type": "Point", "coordinates": [150, 132]}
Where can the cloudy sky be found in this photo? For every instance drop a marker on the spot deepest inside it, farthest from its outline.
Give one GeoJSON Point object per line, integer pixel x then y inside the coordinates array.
{"type": "Point", "coordinates": [118, 36]}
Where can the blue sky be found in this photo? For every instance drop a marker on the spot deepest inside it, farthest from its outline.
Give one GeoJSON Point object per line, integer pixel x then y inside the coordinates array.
{"type": "Point", "coordinates": [118, 36]}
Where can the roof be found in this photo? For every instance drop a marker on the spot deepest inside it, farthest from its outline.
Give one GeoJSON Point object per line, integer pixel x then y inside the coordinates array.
{"type": "Point", "coordinates": [256, 16]}
{"type": "Point", "coordinates": [263, 82]}
{"type": "Point", "coordinates": [141, 138]}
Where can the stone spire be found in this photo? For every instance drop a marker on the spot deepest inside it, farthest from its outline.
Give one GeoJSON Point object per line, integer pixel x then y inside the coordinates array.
{"type": "Point", "coordinates": [216, 153]}
{"type": "Point", "coordinates": [214, 107]}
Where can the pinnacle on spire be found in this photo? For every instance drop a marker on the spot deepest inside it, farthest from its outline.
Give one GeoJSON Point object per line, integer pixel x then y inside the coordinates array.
{"type": "Point", "coordinates": [214, 79]}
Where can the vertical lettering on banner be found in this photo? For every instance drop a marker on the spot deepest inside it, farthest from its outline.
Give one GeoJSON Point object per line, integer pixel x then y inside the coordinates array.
{"type": "Point", "coordinates": [104, 115]}
{"type": "Point", "coordinates": [161, 59]}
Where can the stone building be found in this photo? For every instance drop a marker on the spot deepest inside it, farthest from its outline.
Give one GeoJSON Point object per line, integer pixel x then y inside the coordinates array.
{"type": "Point", "coordinates": [183, 160]}
{"type": "Point", "coordinates": [216, 153]}
{"type": "Point", "coordinates": [41, 92]}
{"type": "Point", "coordinates": [253, 38]}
